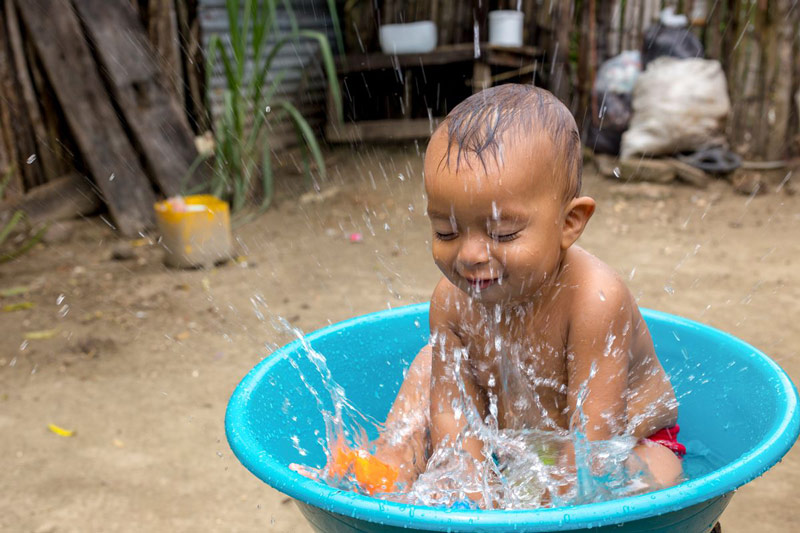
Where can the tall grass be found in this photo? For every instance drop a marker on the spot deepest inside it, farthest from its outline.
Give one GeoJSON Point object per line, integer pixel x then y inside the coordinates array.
{"type": "Point", "coordinates": [17, 217]}
{"type": "Point", "coordinates": [243, 158]}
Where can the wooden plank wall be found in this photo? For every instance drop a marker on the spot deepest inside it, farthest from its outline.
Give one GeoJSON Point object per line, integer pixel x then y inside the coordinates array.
{"type": "Point", "coordinates": [89, 112]}
{"type": "Point", "coordinates": [87, 94]}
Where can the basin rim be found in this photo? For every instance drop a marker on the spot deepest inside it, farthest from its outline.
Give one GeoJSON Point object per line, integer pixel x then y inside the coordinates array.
{"type": "Point", "coordinates": [778, 440]}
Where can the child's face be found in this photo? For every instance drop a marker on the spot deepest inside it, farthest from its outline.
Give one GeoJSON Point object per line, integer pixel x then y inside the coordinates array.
{"type": "Point", "coordinates": [498, 232]}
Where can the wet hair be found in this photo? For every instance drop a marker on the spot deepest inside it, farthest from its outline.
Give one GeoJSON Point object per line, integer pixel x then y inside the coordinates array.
{"type": "Point", "coordinates": [476, 125]}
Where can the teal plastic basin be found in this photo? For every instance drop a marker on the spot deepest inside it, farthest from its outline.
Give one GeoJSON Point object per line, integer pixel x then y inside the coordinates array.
{"type": "Point", "coordinates": [738, 409]}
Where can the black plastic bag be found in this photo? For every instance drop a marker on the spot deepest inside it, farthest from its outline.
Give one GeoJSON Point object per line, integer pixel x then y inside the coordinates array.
{"type": "Point", "coordinates": [680, 42]}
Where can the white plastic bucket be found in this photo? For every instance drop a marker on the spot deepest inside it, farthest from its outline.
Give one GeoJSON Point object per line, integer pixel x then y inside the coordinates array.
{"type": "Point", "coordinates": [505, 27]}
{"type": "Point", "coordinates": [409, 38]}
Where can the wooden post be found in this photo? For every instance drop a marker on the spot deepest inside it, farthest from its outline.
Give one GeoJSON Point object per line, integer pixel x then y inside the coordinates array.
{"type": "Point", "coordinates": [408, 81]}
{"type": "Point", "coordinates": [785, 22]}
{"type": "Point", "coordinates": [713, 35]}
{"type": "Point", "coordinates": [530, 32]}
{"type": "Point", "coordinates": [604, 12]}
{"type": "Point", "coordinates": [480, 13]}
{"type": "Point", "coordinates": [16, 131]}
{"type": "Point", "coordinates": [193, 97]}
{"type": "Point", "coordinates": [445, 23]}
{"type": "Point", "coordinates": [557, 25]}
{"type": "Point", "coordinates": [105, 148]}
{"type": "Point", "coordinates": [481, 76]}
{"type": "Point", "coordinates": [162, 22]}
{"type": "Point", "coordinates": [43, 151]}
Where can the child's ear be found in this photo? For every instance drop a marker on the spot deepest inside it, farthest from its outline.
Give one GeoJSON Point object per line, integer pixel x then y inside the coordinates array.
{"type": "Point", "coordinates": [576, 215]}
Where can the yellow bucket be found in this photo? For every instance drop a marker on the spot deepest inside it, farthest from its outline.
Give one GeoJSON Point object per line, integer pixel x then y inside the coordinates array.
{"type": "Point", "coordinates": [195, 230]}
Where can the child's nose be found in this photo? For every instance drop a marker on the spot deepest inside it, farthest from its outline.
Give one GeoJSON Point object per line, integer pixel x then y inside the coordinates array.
{"type": "Point", "coordinates": [474, 251]}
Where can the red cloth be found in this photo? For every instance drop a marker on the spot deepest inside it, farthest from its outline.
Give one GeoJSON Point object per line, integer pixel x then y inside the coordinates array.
{"type": "Point", "coordinates": [668, 437]}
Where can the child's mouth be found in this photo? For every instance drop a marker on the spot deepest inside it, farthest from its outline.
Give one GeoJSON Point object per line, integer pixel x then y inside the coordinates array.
{"type": "Point", "coordinates": [481, 284]}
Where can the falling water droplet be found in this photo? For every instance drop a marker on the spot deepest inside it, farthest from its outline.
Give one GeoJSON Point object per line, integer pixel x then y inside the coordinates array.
{"type": "Point", "coordinates": [495, 212]}
{"type": "Point", "coordinates": [31, 159]}
{"type": "Point", "coordinates": [669, 290]}
{"type": "Point", "coordinates": [476, 34]}
{"type": "Point", "coordinates": [617, 172]}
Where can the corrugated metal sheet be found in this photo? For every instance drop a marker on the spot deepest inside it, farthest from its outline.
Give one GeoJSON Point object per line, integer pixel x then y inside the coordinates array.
{"type": "Point", "coordinates": [304, 80]}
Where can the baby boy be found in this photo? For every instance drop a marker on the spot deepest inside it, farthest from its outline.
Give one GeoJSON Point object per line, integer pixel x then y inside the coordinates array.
{"type": "Point", "coordinates": [526, 327]}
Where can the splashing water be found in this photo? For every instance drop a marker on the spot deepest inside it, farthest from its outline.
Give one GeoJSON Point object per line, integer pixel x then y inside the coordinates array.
{"type": "Point", "coordinates": [522, 469]}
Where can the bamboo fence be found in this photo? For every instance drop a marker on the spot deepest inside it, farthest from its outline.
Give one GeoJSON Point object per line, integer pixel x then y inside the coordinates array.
{"type": "Point", "coordinates": [756, 41]}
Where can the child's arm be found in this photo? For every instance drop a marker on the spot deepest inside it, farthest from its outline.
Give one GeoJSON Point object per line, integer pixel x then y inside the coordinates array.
{"type": "Point", "coordinates": [448, 418]}
{"type": "Point", "coordinates": [599, 344]}
{"type": "Point", "coordinates": [598, 360]}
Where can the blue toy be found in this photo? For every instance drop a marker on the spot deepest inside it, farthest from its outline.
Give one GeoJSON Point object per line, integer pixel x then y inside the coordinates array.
{"type": "Point", "coordinates": [738, 408]}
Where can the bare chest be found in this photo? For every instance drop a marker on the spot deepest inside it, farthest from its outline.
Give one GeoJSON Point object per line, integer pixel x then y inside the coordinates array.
{"type": "Point", "coordinates": [522, 373]}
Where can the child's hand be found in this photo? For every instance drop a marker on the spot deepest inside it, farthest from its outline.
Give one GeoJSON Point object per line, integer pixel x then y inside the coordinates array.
{"type": "Point", "coordinates": [372, 474]}
{"type": "Point", "coordinates": [306, 471]}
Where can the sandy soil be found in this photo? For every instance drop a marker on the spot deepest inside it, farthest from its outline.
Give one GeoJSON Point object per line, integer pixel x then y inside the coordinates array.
{"type": "Point", "coordinates": [145, 358]}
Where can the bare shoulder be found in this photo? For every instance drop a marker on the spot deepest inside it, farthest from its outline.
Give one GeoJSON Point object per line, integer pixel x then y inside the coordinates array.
{"type": "Point", "coordinates": [599, 296]}
{"type": "Point", "coordinates": [446, 303]}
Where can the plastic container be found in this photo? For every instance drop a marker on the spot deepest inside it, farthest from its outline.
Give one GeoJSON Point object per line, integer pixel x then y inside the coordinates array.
{"type": "Point", "coordinates": [410, 38]}
{"type": "Point", "coordinates": [737, 405]}
{"type": "Point", "coordinates": [505, 27]}
{"type": "Point", "coordinates": [195, 230]}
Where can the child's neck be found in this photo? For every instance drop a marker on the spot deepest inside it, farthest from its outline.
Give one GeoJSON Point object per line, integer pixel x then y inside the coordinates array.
{"type": "Point", "coordinates": [529, 307]}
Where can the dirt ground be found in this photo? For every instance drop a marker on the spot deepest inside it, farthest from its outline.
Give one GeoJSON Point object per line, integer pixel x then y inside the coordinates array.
{"type": "Point", "coordinates": [144, 358]}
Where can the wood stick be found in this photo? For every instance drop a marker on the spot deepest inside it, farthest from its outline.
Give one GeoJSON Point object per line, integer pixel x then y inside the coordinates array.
{"type": "Point", "coordinates": [193, 63]}
{"type": "Point", "coordinates": [43, 153]}
{"type": "Point", "coordinates": [17, 133]}
{"type": "Point", "coordinates": [162, 28]}
{"type": "Point", "coordinates": [785, 22]}
{"type": "Point", "coordinates": [64, 197]}
{"type": "Point", "coordinates": [59, 140]}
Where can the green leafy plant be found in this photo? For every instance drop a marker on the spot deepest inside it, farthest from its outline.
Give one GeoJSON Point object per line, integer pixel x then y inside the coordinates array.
{"type": "Point", "coordinates": [12, 223]}
{"type": "Point", "coordinates": [241, 156]}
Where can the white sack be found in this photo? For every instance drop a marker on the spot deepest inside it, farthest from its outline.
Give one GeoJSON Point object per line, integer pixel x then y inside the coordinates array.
{"type": "Point", "coordinates": [678, 105]}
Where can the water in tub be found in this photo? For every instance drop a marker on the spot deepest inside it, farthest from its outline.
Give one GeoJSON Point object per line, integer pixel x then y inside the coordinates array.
{"type": "Point", "coordinates": [521, 469]}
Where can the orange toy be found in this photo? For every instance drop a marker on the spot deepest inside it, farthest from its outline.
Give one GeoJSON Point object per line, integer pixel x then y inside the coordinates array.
{"type": "Point", "coordinates": [371, 473]}
{"type": "Point", "coordinates": [342, 460]}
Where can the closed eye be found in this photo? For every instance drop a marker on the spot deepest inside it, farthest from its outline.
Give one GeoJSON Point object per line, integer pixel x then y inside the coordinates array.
{"type": "Point", "coordinates": [506, 237]}
{"type": "Point", "coordinates": [445, 236]}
